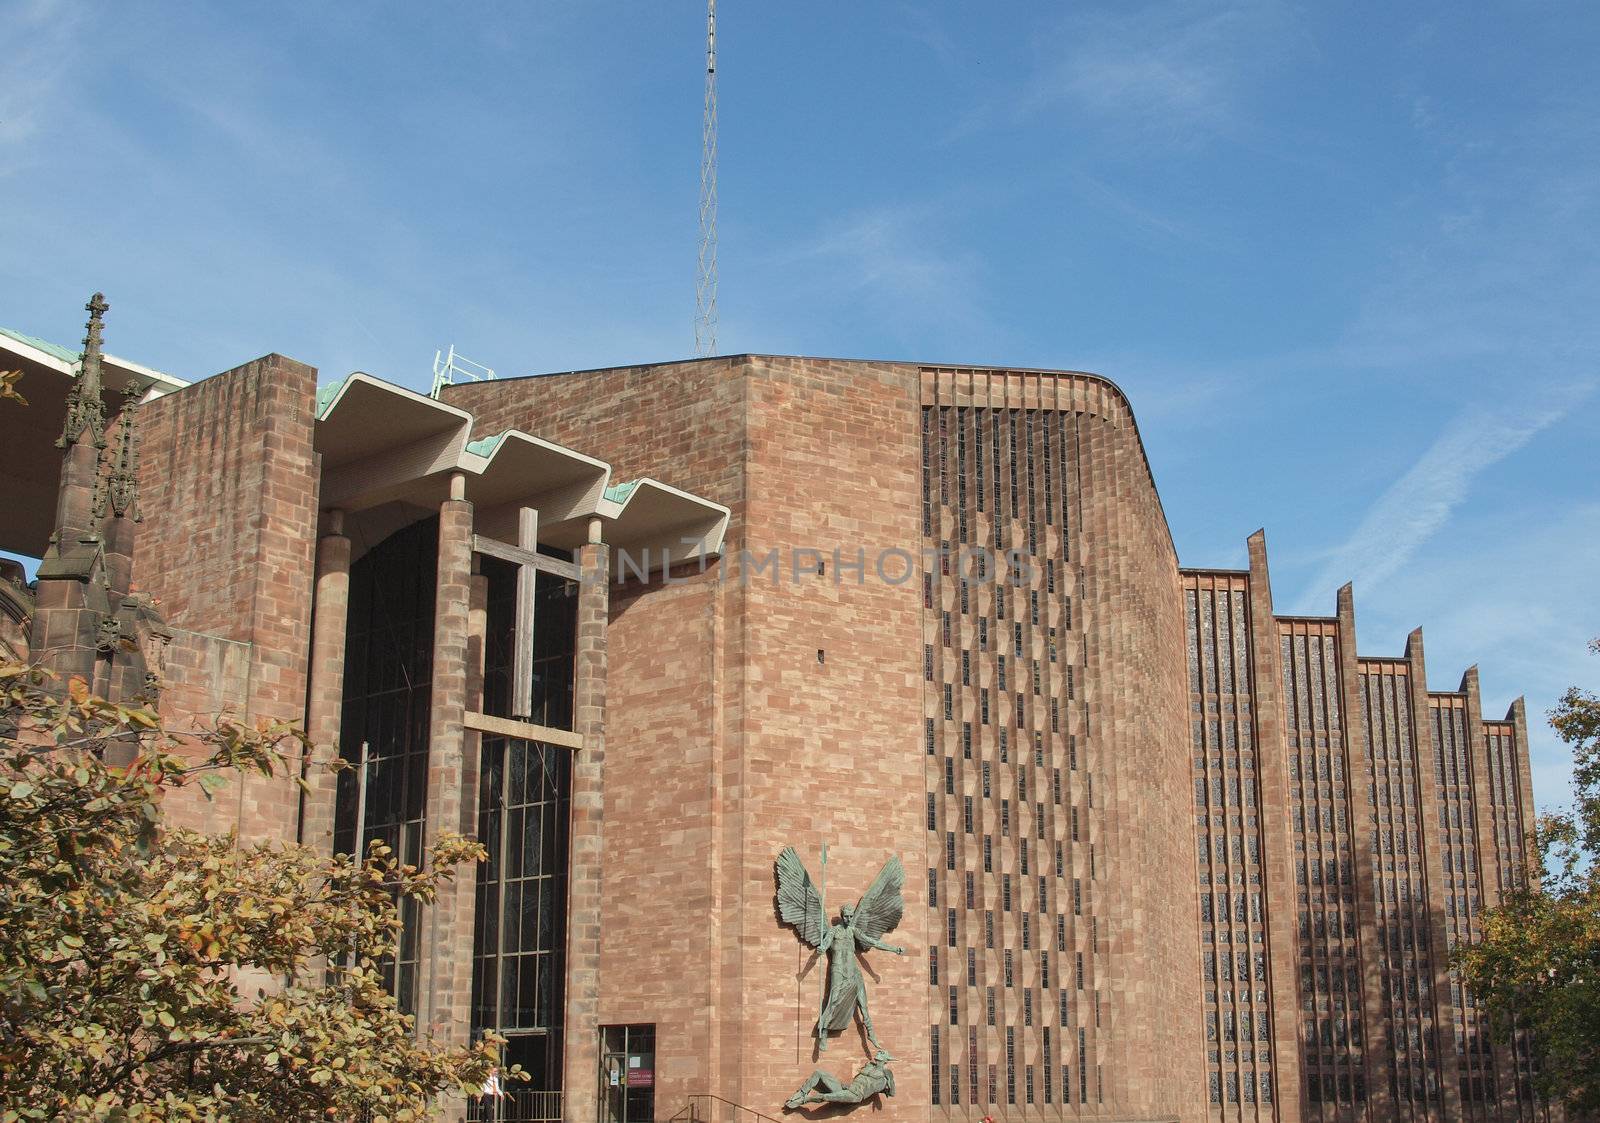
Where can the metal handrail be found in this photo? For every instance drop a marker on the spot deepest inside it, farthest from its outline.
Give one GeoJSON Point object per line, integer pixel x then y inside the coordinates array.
{"type": "Point", "coordinates": [687, 1113]}
{"type": "Point", "coordinates": [519, 1105]}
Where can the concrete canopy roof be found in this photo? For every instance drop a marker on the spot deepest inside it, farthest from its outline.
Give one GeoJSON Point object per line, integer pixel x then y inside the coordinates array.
{"type": "Point", "coordinates": [383, 445]}
{"type": "Point", "coordinates": [674, 525]}
{"type": "Point", "coordinates": [361, 417]}
{"type": "Point", "coordinates": [30, 462]}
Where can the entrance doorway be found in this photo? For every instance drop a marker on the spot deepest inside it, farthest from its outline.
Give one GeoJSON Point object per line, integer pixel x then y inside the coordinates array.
{"type": "Point", "coordinates": [628, 1074]}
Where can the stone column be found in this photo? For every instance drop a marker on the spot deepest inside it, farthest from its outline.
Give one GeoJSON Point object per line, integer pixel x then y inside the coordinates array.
{"type": "Point", "coordinates": [71, 599]}
{"type": "Point", "coordinates": [1485, 868]}
{"type": "Point", "coordinates": [1377, 1042]}
{"type": "Point", "coordinates": [477, 647]}
{"type": "Point", "coordinates": [1277, 843]}
{"type": "Point", "coordinates": [1527, 853]}
{"type": "Point", "coordinates": [119, 546]}
{"type": "Point", "coordinates": [325, 694]}
{"type": "Point", "coordinates": [586, 848]}
{"type": "Point", "coordinates": [1484, 876]}
{"type": "Point", "coordinates": [71, 602]}
{"type": "Point", "coordinates": [444, 1004]}
{"type": "Point", "coordinates": [1439, 1004]}
{"type": "Point", "coordinates": [477, 635]}
{"type": "Point", "coordinates": [1528, 843]}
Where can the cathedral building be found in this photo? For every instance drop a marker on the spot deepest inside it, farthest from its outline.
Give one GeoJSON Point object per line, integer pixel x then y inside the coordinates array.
{"type": "Point", "coordinates": [1168, 854]}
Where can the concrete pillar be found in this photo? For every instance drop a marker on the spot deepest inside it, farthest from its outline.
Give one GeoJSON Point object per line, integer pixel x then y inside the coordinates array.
{"type": "Point", "coordinates": [586, 848]}
{"type": "Point", "coordinates": [325, 693]}
{"type": "Point", "coordinates": [444, 1004]}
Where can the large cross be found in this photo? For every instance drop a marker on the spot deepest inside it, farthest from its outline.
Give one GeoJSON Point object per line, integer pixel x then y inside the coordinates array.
{"type": "Point", "coordinates": [526, 557]}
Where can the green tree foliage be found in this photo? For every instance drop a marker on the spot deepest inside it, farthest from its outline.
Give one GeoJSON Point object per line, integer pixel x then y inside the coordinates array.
{"type": "Point", "coordinates": [1538, 965]}
{"type": "Point", "coordinates": [153, 973]}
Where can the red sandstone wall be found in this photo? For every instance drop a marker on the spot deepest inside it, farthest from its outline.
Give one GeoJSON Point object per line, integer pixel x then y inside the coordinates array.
{"type": "Point", "coordinates": [1125, 786]}
{"type": "Point", "coordinates": [680, 422]}
{"type": "Point", "coordinates": [717, 758]}
{"type": "Point", "coordinates": [229, 490]}
{"type": "Point", "coordinates": [659, 952]}
{"type": "Point", "coordinates": [728, 738]}
{"type": "Point", "coordinates": [1136, 694]}
{"type": "Point", "coordinates": [672, 701]}
{"type": "Point", "coordinates": [833, 749]}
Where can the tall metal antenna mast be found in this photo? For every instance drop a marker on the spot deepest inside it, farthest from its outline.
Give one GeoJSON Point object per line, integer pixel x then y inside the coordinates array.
{"type": "Point", "coordinates": [705, 288]}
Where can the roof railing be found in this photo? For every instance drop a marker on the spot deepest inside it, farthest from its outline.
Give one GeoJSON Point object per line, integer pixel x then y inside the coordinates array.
{"type": "Point", "coordinates": [450, 368]}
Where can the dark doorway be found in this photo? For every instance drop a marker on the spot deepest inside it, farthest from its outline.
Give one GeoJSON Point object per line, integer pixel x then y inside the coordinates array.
{"type": "Point", "coordinates": [628, 1074]}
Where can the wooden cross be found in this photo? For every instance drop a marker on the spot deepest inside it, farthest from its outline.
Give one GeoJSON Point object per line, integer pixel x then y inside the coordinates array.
{"type": "Point", "coordinates": [526, 557]}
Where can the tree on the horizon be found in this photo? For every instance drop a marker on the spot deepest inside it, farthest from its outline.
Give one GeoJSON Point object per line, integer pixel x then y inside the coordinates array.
{"type": "Point", "coordinates": [1537, 967]}
{"type": "Point", "coordinates": [154, 973]}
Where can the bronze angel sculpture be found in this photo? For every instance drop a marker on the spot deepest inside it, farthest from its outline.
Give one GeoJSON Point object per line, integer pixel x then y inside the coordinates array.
{"type": "Point", "coordinates": [858, 929]}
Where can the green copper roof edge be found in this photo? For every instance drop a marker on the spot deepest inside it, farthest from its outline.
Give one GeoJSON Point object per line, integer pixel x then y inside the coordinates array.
{"type": "Point", "coordinates": [72, 358]}
{"type": "Point", "coordinates": [618, 493]}
{"type": "Point", "coordinates": [485, 446]}
{"type": "Point", "coordinates": [54, 350]}
{"type": "Point", "coordinates": [326, 396]}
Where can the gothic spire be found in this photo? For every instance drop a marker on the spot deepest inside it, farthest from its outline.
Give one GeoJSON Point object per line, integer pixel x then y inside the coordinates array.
{"type": "Point", "coordinates": [85, 409]}
{"type": "Point", "coordinates": [122, 488]}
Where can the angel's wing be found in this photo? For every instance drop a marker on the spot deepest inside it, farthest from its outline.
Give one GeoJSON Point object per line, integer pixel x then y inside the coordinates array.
{"type": "Point", "coordinates": [882, 905]}
{"type": "Point", "coordinates": [799, 903]}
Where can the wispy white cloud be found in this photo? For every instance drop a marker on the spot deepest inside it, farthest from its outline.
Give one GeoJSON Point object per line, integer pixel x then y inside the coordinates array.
{"type": "Point", "coordinates": [1419, 503]}
{"type": "Point", "coordinates": [1500, 269]}
{"type": "Point", "coordinates": [1160, 63]}
{"type": "Point", "coordinates": [1174, 395]}
{"type": "Point", "coordinates": [1492, 293]}
{"type": "Point", "coordinates": [41, 48]}
{"type": "Point", "coordinates": [894, 261]}
{"type": "Point", "coordinates": [1139, 216]}
{"type": "Point", "coordinates": [1175, 70]}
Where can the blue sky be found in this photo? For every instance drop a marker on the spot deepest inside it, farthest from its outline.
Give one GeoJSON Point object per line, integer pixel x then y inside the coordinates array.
{"type": "Point", "coordinates": [1345, 259]}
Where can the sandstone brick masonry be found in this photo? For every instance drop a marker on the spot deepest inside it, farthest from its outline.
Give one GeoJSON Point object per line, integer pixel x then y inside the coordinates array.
{"type": "Point", "coordinates": [672, 786]}
{"type": "Point", "coordinates": [745, 717]}
{"type": "Point", "coordinates": [446, 925]}
{"type": "Point", "coordinates": [587, 845]}
{"type": "Point", "coordinates": [721, 726]}
{"type": "Point", "coordinates": [229, 486]}
{"type": "Point", "coordinates": [1030, 750]}
{"type": "Point", "coordinates": [741, 719]}
{"type": "Point", "coordinates": [1351, 827]}
{"type": "Point", "coordinates": [326, 687]}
